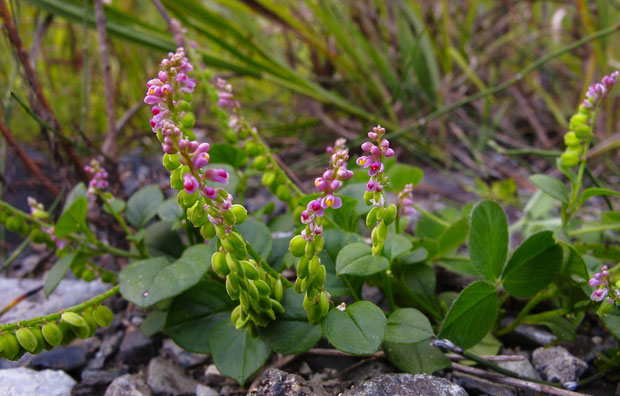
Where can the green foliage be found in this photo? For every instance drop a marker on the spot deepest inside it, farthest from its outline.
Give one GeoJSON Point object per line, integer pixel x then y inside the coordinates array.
{"type": "Point", "coordinates": [143, 205]}
{"type": "Point", "coordinates": [359, 330]}
{"type": "Point", "coordinates": [357, 259]}
{"type": "Point", "coordinates": [488, 239]}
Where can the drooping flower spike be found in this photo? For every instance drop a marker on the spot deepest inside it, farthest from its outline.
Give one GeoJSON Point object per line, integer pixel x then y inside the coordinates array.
{"type": "Point", "coordinates": [598, 91]}
{"type": "Point", "coordinates": [98, 181]}
{"type": "Point", "coordinates": [603, 287]}
{"type": "Point", "coordinates": [405, 201]}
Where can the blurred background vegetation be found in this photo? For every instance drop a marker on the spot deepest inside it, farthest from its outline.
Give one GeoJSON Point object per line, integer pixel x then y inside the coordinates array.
{"type": "Point", "coordinates": [309, 71]}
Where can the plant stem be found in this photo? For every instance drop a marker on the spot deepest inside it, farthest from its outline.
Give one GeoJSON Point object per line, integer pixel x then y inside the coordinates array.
{"type": "Point", "coordinates": [387, 284]}
{"type": "Point", "coordinates": [541, 296]}
{"type": "Point", "coordinates": [348, 282]}
{"type": "Point", "coordinates": [431, 216]}
{"type": "Point", "coordinates": [266, 266]}
{"type": "Point", "coordinates": [55, 316]}
{"type": "Point", "coordinates": [598, 228]}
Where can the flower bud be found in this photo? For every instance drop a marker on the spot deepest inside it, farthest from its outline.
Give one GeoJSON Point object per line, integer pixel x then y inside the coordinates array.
{"type": "Point", "coordinates": [297, 246]}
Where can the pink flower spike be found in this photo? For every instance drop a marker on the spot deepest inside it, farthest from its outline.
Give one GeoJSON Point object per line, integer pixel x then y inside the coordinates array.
{"type": "Point", "coordinates": [363, 161]}
{"type": "Point", "coordinates": [190, 184]}
{"type": "Point", "coordinates": [388, 152]}
{"type": "Point", "coordinates": [384, 143]}
{"type": "Point", "coordinates": [314, 205]}
{"type": "Point", "coordinates": [163, 76]}
{"type": "Point", "coordinates": [373, 136]}
{"type": "Point", "coordinates": [371, 186]}
{"type": "Point", "coordinates": [375, 151]}
{"type": "Point", "coordinates": [367, 146]}
{"type": "Point", "coordinates": [328, 201]}
{"type": "Point", "coordinates": [328, 174]}
{"type": "Point", "coordinates": [335, 184]}
{"type": "Point", "coordinates": [320, 184]}
{"type": "Point", "coordinates": [337, 202]}
{"type": "Point", "coordinates": [217, 175]}
{"type": "Point", "coordinates": [594, 282]}
{"type": "Point", "coordinates": [203, 147]}
{"type": "Point", "coordinates": [200, 160]}
{"type": "Point", "coordinates": [210, 193]}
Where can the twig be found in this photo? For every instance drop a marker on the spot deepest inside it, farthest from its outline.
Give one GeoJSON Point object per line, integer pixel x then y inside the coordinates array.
{"type": "Point", "coordinates": [531, 117]}
{"type": "Point", "coordinates": [109, 148]}
{"type": "Point", "coordinates": [26, 160]}
{"type": "Point", "coordinates": [38, 98]}
{"type": "Point", "coordinates": [335, 352]}
{"type": "Point", "coordinates": [519, 383]}
{"type": "Point", "coordinates": [19, 299]}
{"type": "Point", "coordinates": [39, 35]}
{"type": "Point", "coordinates": [491, 358]}
{"type": "Point", "coordinates": [133, 110]}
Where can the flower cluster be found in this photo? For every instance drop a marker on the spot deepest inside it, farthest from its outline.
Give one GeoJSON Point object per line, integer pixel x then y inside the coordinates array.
{"type": "Point", "coordinates": [578, 137]}
{"type": "Point", "coordinates": [379, 216]}
{"type": "Point", "coordinates": [60, 243]}
{"type": "Point", "coordinates": [98, 176]}
{"type": "Point", "coordinates": [602, 284]}
{"type": "Point", "coordinates": [311, 274]}
{"type": "Point", "coordinates": [405, 200]}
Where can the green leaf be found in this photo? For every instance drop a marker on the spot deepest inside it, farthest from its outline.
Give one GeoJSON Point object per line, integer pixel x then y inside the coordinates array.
{"type": "Point", "coordinates": [395, 245]}
{"type": "Point", "coordinates": [336, 239]}
{"type": "Point", "coordinates": [227, 154]}
{"type": "Point", "coordinates": [454, 236]}
{"type": "Point", "coordinates": [574, 263]}
{"type": "Point", "coordinates": [345, 216]}
{"type": "Point", "coordinates": [194, 314]}
{"type": "Point", "coordinates": [236, 353]}
{"type": "Point", "coordinates": [407, 326]}
{"type": "Point", "coordinates": [357, 259]}
{"type": "Point", "coordinates": [356, 191]}
{"type": "Point", "coordinates": [532, 265]}
{"type": "Point", "coordinates": [611, 320]}
{"type": "Point", "coordinates": [420, 279]}
{"type": "Point", "coordinates": [117, 205]}
{"type": "Point", "coordinates": [551, 186]}
{"type": "Point", "coordinates": [561, 327]}
{"type": "Point", "coordinates": [401, 174]}
{"type": "Point", "coordinates": [150, 281]}
{"type": "Point", "coordinates": [291, 333]}
{"type": "Point", "coordinates": [489, 345]}
{"type": "Point", "coordinates": [57, 272]}
{"type": "Point", "coordinates": [417, 255]}
{"type": "Point", "coordinates": [78, 191]}
{"type": "Point", "coordinates": [170, 211]}
{"type": "Point", "coordinates": [593, 192]}
{"type": "Point", "coordinates": [488, 239]}
{"type": "Point", "coordinates": [143, 205]}
{"type": "Point", "coordinates": [160, 240]}
{"type": "Point", "coordinates": [358, 330]}
{"type": "Point", "coordinates": [73, 219]}
{"type": "Point", "coordinates": [471, 316]}
{"type": "Point", "coordinates": [416, 358]}
{"type": "Point", "coordinates": [257, 235]}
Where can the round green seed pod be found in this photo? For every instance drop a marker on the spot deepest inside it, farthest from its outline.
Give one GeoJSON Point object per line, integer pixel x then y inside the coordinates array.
{"type": "Point", "coordinates": [319, 279]}
{"type": "Point", "coordinates": [171, 161]}
{"type": "Point", "coordinates": [297, 287]}
{"type": "Point", "coordinates": [108, 277]}
{"type": "Point", "coordinates": [371, 218]}
{"type": "Point", "coordinates": [82, 332]}
{"type": "Point", "coordinates": [302, 267]}
{"type": "Point", "coordinates": [275, 304]}
{"type": "Point", "coordinates": [578, 119]}
{"type": "Point", "coordinates": [207, 231]}
{"type": "Point", "coordinates": [9, 346]}
{"type": "Point", "coordinates": [52, 333]}
{"type": "Point", "coordinates": [88, 275]}
{"type": "Point", "coordinates": [13, 224]}
{"type": "Point", "coordinates": [218, 263]}
{"type": "Point", "coordinates": [232, 288]}
{"type": "Point", "coordinates": [240, 213]}
{"type": "Point", "coordinates": [188, 120]}
{"type": "Point", "coordinates": [263, 287]}
{"type": "Point", "coordinates": [324, 303]}
{"type": "Point", "coordinates": [38, 236]}
{"type": "Point", "coordinates": [278, 290]}
{"type": "Point", "coordinates": [313, 267]}
{"type": "Point", "coordinates": [570, 139]}
{"type": "Point", "coordinates": [382, 231]}
{"type": "Point", "coordinates": [367, 197]}
{"type": "Point", "coordinates": [26, 339]}
{"type": "Point", "coordinates": [41, 344]}
{"type": "Point", "coordinates": [260, 163]}
{"type": "Point", "coordinates": [269, 178]}
{"type": "Point", "coordinates": [314, 314]}
{"type": "Point", "coordinates": [88, 317]}
{"type": "Point", "coordinates": [582, 131]}
{"type": "Point", "coordinates": [283, 193]}
{"type": "Point", "coordinates": [390, 214]}
{"type": "Point", "coordinates": [249, 270]}
{"type": "Point", "coordinates": [231, 137]}
{"type": "Point", "coordinates": [74, 319]}
{"type": "Point", "coordinates": [569, 159]}
{"type": "Point", "coordinates": [309, 250]}
{"type": "Point", "coordinates": [67, 333]}
{"type": "Point", "coordinates": [297, 246]}
{"type": "Point", "coordinates": [103, 316]}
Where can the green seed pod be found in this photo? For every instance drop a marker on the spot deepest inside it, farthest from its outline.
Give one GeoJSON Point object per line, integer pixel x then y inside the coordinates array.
{"type": "Point", "coordinates": [374, 236]}
{"type": "Point", "coordinates": [108, 277]}
{"type": "Point", "coordinates": [302, 267]}
{"type": "Point", "coordinates": [9, 346]}
{"type": "Point", "coordinates": [236, 314]}
{"type": "Point", "coordinates": [88, 275]}
{"type": "Point", "coordinates": [41, 344]}
{"type": "Point", "coordinates": [297, 246]}
{"type": "Point", "coordinates": [197, 214]}
{"type": "Point", "coordinates": [176, 178]}
{"type": "Point", "coordinates": [309, 250]}
{"type": "Point", "coordinates": [189, 199]}
{"type": "Point", "coordinates": [67, 333]}
{"type": "Point", "coordinates": [270, 313]}
{"type": "Point", "coordinates": [13, 224]}
{"type": "Point", "coordinates": [207, 231]}
{"type": "Point", "coordinates": [319, 279]}
{"type": "Point", "coordinates": [582, 131]}
{"type": "Point", "coordinates": [88, 317]}
{"type": "Point", "coordinates": [244, 299]}
{"type": "Point", "coordinates": [308, 302]}
{"type": "Point", "coordinates": [231, 137]}
{"type": "Point", "coordinates": [390, 214]}
{"type": "Point", "coordinates": [260, 163]}
{"type": "Point", "coordinates": [74, 319]}
{"type": "Point", "coordinates": [238, 244]}
{"type": "Point", "coordinates": [578, 119]}
{"type": "Point", "coordinates": [278, 290]}
{"type": "Point", "coordinates": [231, 288]}
{"type": "Point", "coordinates": [82, 332]}
{"type": "Point", "coordinates": [38, 236]}
{"type": "Point", "coordinates": [297, 214]}
{"type": "Point", "coordinates": [259, 319]}
{"type": "Point", "coordinates": [314, 314]}
{"type": "Point", "coordinates": [376, 249]}
{"type": "Point", "coordinates": [305, 284]}
{"type": "Point", "coordinates": [382, 231]}
{"type": "Point", "coordinates": [240, 213]}
{"type": "Point", "coordinates": [229, 217]}
{"type": "Point", "coordinates": [253, 290]}
{"type": "Point", "coordinates": [52, 333]}
{"type": "Point", "coordinates": [263, 287]}
{"type": "Point", "coordinates": [368, 196]}
{"type": "Point", "coordinates": [183, 105]}
{"type": "Point", "coordinates": [319, 243]}
{"type": "Point", "coordinates": [324, 303]}
{"type": "Point", "coordinates": [188, 120]}
{"type": "Point", "coordinates": [297, 287]}
{"type": "Point", "coordinates": [218, 263]}
{"type": "Point", "coordinates": [26, 339]}
{"type": "Point", "coordinates": [242, 322]}
{"type": "Point", "coordinates": [571, 140]}
{"type": "Point", "coordinates": [569, 159]}
{"type": "Point", "coordinates": [233, 265]}
{"type": "Point", "coordinates": [283, 193]}
{"type": "Point", "coordinates": [269, 178]}
{"type": "Point", "coordinates": [371, 218]}
{"type": "Point", "coordinates": [171, 161]}
{"type": "Point", "coordinates": [275, 304]}
{"type": "Point", "coordinates": [313, 267]}
{"type": "Point", "coordinates": [265, 303]}
{"type": "Point", "coordinates": [103, 316]}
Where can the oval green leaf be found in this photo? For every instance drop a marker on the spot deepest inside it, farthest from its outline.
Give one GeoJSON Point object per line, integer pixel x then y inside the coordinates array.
{"type": "Point", "coordinates": [142, 206]}
{"type": "Point", "coordinates": [552, 186]}
{"type": "Point", "coordinates": [357, 259]}
{"type": "Point", "coordinates": [257, 235]}
{"type": "Point", "coordinates": [358, 330]}
{"type": "Point", "coordinates": [395, 245]}
{"type": "Point", "coordinates": [488, 239]}
{"type": "Point", "coordinates": [407, 326]}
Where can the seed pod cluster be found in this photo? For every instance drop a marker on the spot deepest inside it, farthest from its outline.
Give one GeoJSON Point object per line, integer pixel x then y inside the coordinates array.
{"type": "Point", "coordinates": [16, 222]}
{"type": "Point", "coordinates": [259, 293]}
{"type": "Point", "coordinates": [36, 338]}
{"type": "Point", "coordinates": [580, 129]}
{"type": "Point", "coordinates": [378, 220]}
{"type": "Point", "coordinates": [311, 275]}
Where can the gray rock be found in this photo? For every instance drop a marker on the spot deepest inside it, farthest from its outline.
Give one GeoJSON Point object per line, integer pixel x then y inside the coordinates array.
{"type": "Point", "coordinates": [276, 382]}
{"type": "Point", "coordinates": [556, 364]}
{"type": "Point", "coordinates": [406, 385]}
{"type": "Point", "coordinates": [68, 358]}
{"type": "Point", "coordinates": [522, 367]}
{"type": "Point", "coordinates": [109, 345]}
{"type": "Point", "coordinates": [99, 377]}
{"type": "Point", "coordinates": [23, 381]}
{"type": "Point", "coordinates": [213, 377]}
{"type": "Point", "coordinates": [136, 348]}
{"type": "Point", "coordinates": [184, 358]}
{"type": "Point", "coordinates": [165, 377]}
{"type": "Point", "coordinates": [480, 386]}
{"type": "Point", "coordinates": [68, 293]}
{"type": "Point", "coordinates": [372, 369]}
{"type": "Point", "coordinates": [203, 390]}
{"type": "Point", "coordinates": [128, 385]}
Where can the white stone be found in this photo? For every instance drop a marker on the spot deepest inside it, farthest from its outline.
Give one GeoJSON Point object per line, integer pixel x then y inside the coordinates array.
{"type": "Point", "coordinates": [23, 381]}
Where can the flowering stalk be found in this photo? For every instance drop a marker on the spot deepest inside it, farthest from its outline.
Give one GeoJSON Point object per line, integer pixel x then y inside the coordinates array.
{"type": "Point", "coordinates": [311, 274]}
{"type": "Point", "coordinates": [206, 206]}
{"type": "Point", "coordinates": [379, 216]}
{"type": "Point", "coordinates": [578, 138]}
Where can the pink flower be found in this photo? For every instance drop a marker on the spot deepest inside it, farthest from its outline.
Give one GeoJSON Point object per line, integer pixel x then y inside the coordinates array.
{"type": "Point", "coordinates": [190, 183]}
{"type": "Point", "coordinates": [217, 175]}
